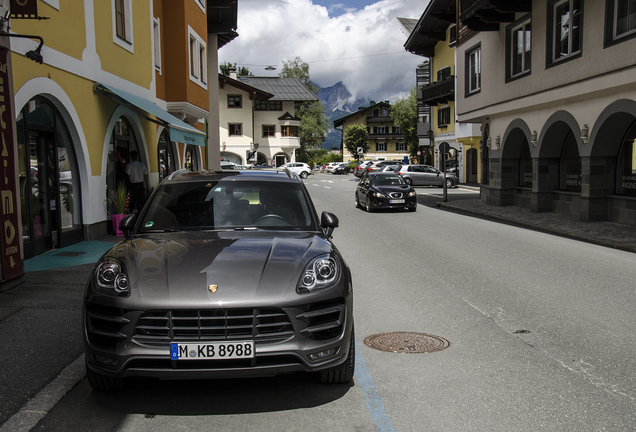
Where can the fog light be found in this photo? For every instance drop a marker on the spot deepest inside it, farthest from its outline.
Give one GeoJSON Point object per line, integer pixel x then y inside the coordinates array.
{"type": "Point", "coordinates": [106, 361]}
{"type": "Point", "coordinates": [322, 354]}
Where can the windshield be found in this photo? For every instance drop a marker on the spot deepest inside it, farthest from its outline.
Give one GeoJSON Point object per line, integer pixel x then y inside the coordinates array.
{"type": "Point", "coordinates": [386, 180]}
{"type": "Point", "coordinates": [223, 205]}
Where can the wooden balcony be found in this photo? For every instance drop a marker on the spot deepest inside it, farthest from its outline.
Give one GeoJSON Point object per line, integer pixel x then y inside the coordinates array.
{"type": "Point", "coordinates": [486, 15]}
{"type": "Point", "coordinates": [438, 92]}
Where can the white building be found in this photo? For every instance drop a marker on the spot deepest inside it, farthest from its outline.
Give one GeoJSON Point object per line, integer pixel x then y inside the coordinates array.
{"type": "Point", "coordinates": [258, 113]}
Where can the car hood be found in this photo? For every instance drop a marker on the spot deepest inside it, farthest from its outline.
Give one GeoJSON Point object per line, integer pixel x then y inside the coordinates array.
{"type": "Point", "coordinates": [173, 270]}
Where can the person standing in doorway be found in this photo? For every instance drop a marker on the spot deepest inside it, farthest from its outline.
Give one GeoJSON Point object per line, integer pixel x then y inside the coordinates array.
{"type": "Point", "coordinates": [138, 175]}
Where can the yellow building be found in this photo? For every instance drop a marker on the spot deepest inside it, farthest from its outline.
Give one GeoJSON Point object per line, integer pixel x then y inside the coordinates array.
{"type": "Point", "coordinates": [455, 144]}
{"type": "Point", "coordinates": [386, 142]}
{"type": "Point", "coordinates": [116, 76]}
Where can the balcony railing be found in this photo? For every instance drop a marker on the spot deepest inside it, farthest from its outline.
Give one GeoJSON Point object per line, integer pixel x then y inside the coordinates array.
{"type": "Point", "coordinates": [486, 15]}
{"type": "Point", "coordinates": [438, 92]}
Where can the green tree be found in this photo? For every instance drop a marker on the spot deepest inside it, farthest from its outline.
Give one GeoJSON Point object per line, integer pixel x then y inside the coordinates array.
{"type": "Point", "coordinates": [404, 115]}
{"type": "Point", "coordinates": [314, 124]}
{"type": "Point", "coordinates": [356, 136]}
{"type": "Point", "coordinates": [240, 71]}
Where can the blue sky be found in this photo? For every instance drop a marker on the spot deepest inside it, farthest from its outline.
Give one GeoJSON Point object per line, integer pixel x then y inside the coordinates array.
{"type": "Point", "coordinates": [358, 42]}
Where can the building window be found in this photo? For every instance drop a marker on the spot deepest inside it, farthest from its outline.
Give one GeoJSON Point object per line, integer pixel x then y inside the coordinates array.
{"type": "Point", "coordinates": [570, 172]}
{"type": "Point", "coordinates": [401, 147]}
{"type": "Point", "coordinates": [122, 24]}
{"type": "Point", "coordinates": [269, 131]}
{"type": "Point", "coordinates": [263, 105]}
{"type": "Point", "coordinates": [120, 18]}
{"type": "Point", "coordinates": [201, 4]}
{"type": "Point", "coordinates": [385, 112]}
{"type": "Point", "coordinates": [289, 131]}
{"type": "Point", "coordinates": [473, 70]}
{"type": "Point", "coordinates": [380, 130]}
{"type": "Point", "coordinates": [235, 129]}
{"type": "Point", "coordinates": [620, 21]}
{"type": "Point", "coordinates": [156, 32]}
{"type": "Point", "coordinates": [452, 35]}
{"type": "Point", "coordinates": [396, 130]}
{"type": "Point", "coordinates": [444, 73]}
{"type": "Point", "coordinates": [525, 166]}
{"type": "Point", "coordinates": [443, 117]}
{"type": "Point", "coordinates": [519, 48]}
{"type": "Point", "coordinates": [198, 59]}
{"type": "Point", "coordinates": [626, 170]}
{"type": "Point", "coordinates": [565, 35]}
{"type": "Point", "coordinates": [234, 101]}
{"type": "Point", "coordinates": [380, 147]}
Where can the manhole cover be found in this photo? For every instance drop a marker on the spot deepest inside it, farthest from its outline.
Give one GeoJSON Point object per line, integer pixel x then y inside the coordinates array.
{"type": "Point", "coordinates": [69, 254]}
{"type": "Point", "coordinates": [406, 342]}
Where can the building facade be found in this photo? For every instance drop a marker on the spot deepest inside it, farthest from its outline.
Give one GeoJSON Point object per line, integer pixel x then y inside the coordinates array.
{"type": "Point", "coordinates": [257, 122]}
{"type": "Point", "coordinates": [455, 144]}
{"type": "Point", "coordinates": [386, 141]}
{"type": "Point", "coordinates": [557, 103]}
{"type": "Point", "coordinates": [125, 76]}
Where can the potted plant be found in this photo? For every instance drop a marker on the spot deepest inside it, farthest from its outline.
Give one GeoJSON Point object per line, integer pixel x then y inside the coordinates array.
{"type": "Point", "coordinates": [118, 205]}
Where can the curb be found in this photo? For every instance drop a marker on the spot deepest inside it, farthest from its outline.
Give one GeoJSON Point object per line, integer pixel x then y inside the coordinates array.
{"type": "Point", "coordinates": [40, 405]}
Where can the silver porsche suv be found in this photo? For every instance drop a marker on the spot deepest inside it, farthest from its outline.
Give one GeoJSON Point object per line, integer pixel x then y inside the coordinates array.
{"type": "Point", "coordinates": [223, 274]}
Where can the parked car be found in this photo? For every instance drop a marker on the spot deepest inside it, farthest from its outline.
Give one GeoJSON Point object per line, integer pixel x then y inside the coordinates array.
{"type": "Point", "coordinates": [362, 168]}
{"type": "Point", "coordinates": [425, 175]}
{"type": "Point", "coordinates": [227, 274]}
{"type": "Point", "coordinates": [378, 165]}
{"type": "Point", "coordinates": [382, 190]}
{"type": "Point", "coordinates": [342, 168]}
{"type": "Point", "coordinates": [227, 165]}
{"type": "Point", "coordinates": [331, 166]}
{"type": "Point", "coordinates": [390, 168]}
{"type": "Point", "coordinates": [300, 168]}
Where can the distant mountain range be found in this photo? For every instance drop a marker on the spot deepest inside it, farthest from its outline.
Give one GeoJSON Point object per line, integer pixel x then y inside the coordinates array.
{"type": "Point", "coordinates": [337, 102]}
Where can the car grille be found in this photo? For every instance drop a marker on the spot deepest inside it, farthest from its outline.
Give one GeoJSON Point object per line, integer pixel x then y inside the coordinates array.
{"type": "Point", "coordinates": [266, 325]}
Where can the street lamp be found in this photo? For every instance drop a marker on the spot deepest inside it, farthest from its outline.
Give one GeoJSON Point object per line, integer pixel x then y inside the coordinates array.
{"type": "Point", "coordinates": [35, 54]}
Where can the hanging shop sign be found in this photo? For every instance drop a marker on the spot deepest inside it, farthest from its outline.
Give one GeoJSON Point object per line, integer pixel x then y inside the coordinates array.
{"type": "Point", "coordinates": [24, 8]}
{"type": "Point", "coordinates": [12, 265]}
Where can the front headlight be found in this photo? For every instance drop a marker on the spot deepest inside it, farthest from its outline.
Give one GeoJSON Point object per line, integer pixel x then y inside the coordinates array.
{"type": "Point", "coordinates": [378, 195]}
{"type": "Point", "coordinates": [412, 193]}
{"type": "Point", "coordinates": [321, 272]}
{"type": "Point", "coordinates": [111, 277]}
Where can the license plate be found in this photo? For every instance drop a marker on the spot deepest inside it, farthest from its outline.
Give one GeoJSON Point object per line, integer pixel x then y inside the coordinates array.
{"type": "Point", "coordinates": [211, 350]}
{"type": "Point", "coordinates": [400, 201]}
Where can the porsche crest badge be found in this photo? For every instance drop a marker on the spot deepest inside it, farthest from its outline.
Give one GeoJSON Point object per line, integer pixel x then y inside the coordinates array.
{"type": "Point", "coordinates": [213, 288]}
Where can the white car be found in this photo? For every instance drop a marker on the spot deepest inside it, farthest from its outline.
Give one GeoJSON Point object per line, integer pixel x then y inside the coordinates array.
{"type": "Point", "coordinates": [300, 168]}
{"type": "Point", "coordinates": [332, 166]}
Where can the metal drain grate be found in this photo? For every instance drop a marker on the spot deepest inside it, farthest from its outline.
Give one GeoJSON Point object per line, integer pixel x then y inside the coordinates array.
{"type": "Point", "coordinates": [406, 342]}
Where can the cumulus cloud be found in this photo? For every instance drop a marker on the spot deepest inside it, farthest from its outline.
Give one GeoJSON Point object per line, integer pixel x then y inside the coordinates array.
{"type": "Point", "coordinates": [363, 48]}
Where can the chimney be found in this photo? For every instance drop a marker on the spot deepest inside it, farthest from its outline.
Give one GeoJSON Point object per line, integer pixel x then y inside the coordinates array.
{"type": "Point", "coordinates": [233, 73]}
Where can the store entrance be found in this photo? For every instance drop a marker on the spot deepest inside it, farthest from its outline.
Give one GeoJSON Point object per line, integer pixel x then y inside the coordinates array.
{"type": "Point", "coordinates": [49, 184]}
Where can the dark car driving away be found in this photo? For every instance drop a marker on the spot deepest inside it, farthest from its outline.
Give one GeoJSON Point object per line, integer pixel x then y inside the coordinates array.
{"type": "Point", "coordinates": [223, 274]}
{"type": "Point", "coordinates": [383, 190]}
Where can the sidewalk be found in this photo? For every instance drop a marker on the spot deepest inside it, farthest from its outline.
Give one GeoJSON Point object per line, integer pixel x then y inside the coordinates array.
{"type": "Point", "coordinates": [607, 234]}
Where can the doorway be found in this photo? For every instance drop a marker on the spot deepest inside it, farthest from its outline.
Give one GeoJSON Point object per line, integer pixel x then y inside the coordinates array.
{"type": "Point", "coordinates": [49, 182]}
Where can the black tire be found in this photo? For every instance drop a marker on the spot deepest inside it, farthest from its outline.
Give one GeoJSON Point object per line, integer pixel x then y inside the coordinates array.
{"type": "Point", "coordinates": [344, 373]}
{"type": "Point", "coordinates": [449, 183]}
{"type": "Point", "coordinates": [368, 205]}
{"type": "Point", "coordinates": [303, 175]}
{"type": "Point", "coordinates": [408, 181]}
{"type": "Point", "coordinates": [358, 202]}
{"type": "Point", "coordinates": [412, 209]}
{"type": "Point", "coordinates": [104, 383]}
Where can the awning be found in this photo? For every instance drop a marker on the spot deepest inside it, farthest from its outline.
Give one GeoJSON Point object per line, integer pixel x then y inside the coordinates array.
{"type": "Point", "coordinates": [180, 131]}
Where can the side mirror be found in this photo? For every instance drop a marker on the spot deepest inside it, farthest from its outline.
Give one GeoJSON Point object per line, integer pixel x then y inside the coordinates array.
{"type": "Point", "coordinates": [328, 222]}
{"type": "Point", "coordinates": [127, 224]}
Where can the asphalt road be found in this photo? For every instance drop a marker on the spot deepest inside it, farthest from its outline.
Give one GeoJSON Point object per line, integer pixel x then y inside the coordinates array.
{"type": "Point", "coordinates": [540, 331]}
